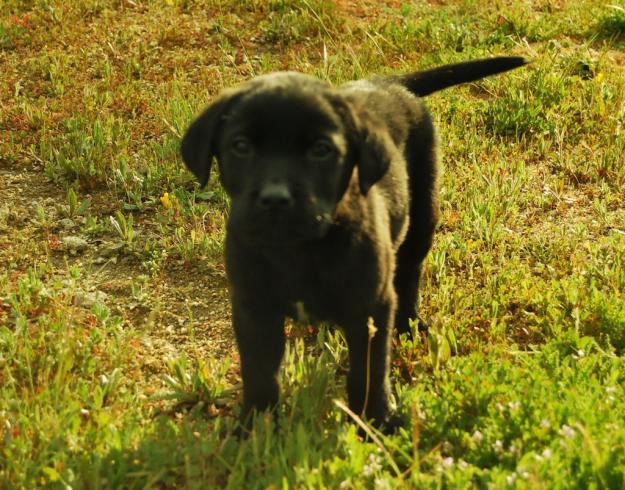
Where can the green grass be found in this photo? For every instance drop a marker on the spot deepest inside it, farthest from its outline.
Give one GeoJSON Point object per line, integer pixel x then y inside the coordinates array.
{"type": "Point", "coordinates": [117, 363]}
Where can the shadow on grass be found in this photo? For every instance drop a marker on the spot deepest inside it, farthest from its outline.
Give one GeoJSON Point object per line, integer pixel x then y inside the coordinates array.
{"type": "Point", "coordinates": [195, 450]}
{"type": "Point", "coordinates": [171, 454]}
{"type": "Point", "coordinates": [611, 26]}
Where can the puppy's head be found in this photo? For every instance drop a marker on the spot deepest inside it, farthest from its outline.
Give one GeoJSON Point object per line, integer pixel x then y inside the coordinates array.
{"type": "Point", "coordinates": [286, 145]}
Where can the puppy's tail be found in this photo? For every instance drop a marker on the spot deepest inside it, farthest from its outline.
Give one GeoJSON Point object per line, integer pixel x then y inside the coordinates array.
{"type": "Point", "coordinates": [425, 82]}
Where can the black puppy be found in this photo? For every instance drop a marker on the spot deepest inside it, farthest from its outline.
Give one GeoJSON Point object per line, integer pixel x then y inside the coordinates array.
{"type": "Point", "coordinates": [334, 205]}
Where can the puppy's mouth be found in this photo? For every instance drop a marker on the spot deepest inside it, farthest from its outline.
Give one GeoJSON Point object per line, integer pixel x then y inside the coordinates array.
{"type": "Point", "coordinates": [298, 228]}
{"type": "Point", "coordinates": [288, 228]}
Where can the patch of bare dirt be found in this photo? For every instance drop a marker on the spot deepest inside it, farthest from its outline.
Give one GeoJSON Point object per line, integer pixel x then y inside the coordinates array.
{"type": "Point", "coordinates": [183, 309]}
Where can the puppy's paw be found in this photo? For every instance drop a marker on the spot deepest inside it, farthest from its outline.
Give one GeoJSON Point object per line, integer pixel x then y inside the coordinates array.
{"type": "Point", "coordinates": [392, 422]}
{"type": "Point", "coordinates": [422, 326]}
{"type": "Point", "coordinates": [254, 420]}
{"type": "Point", "coordinates": [244, 426]}
{"type": "Point", "coordinates": [387, 425]}
{"type": "Point", "coordinates": [408, 329]}
{"type": "Point", "coordinates": [241, 432]}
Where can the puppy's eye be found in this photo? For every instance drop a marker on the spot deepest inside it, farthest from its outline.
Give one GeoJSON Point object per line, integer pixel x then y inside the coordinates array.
{"type": "Point", "coordinates": [241, 147]}
{"type": "Point", "coordinates": [321, 150]}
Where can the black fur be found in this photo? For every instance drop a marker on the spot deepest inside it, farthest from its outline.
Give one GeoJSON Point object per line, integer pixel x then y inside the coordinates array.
{"type": "Point", "coordinates": [334, 205]}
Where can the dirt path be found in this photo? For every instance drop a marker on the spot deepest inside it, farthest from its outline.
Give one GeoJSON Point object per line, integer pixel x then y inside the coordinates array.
{"type": "Point", "coordinates": [181, 309]}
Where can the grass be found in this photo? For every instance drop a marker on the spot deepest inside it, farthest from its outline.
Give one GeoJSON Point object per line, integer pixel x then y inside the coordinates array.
{"type": "Point", "coordinates": [117, 363]}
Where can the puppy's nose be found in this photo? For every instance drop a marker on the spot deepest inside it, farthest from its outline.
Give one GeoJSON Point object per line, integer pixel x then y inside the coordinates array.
{"type": "Point", "coordinates": [275, 195]}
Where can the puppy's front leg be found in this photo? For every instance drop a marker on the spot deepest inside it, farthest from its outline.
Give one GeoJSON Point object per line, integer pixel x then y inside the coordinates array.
{"type": "Point", "coordinates": [368, 384]}
{"type": "Point", "coordinates": [259, 331]}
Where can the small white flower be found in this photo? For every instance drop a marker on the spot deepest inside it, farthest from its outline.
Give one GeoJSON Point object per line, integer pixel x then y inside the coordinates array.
{"type": "Point", "coordinates": [514, 405]}
{"type": "Point", "coordinates": [448, 462]}
{"type": "Point", "coordinates": [547, 453]}
{"type": "Point", "coordinates": [499, 407]}
{"type": "Point", "coordinates": [567, 431]}
{"type": "Point", "coordinates": [344, 485]}
{"type": "Point", "coordinates": [510, 479]}
{"type": "Point", "coordinates": [611, 390]}
{"type": "Point", "coordinates": [478, 436]}
{"type": "Point", "coordinates": [462, 464]}
{"type": "Point", "coordinates": [498, 446]}
{"type": "Point", "coordinates": [581, 353]}
{"type": "Point", "coordinates": [381, 484]}
{"type": "Point", "coordinates": [372, 465]}
{"type": "Point", "coordinates": [545, 424]}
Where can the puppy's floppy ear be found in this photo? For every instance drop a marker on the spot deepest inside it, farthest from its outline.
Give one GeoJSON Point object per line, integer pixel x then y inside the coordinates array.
{"type": "Point", "coordinates": [199, 143]}
{"type": "Point", "coordinates": [371, 146]}
{"type": "Point", "coordinates": [375, 151]}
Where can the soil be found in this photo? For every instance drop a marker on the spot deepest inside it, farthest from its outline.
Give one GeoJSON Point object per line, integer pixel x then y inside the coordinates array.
{"type": "Point", "coordinates": [184, 308]}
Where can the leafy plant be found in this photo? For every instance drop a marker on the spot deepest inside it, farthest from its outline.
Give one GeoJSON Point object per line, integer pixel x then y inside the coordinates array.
{"type": "Point", "coordinates": [124, 227]}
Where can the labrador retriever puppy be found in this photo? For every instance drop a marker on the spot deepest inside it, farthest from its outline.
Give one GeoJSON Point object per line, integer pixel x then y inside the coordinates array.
{"type": "Point", "coordinates": [333, 206]}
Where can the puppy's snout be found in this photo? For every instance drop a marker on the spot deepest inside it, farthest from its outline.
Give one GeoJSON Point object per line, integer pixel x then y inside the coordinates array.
{"type": "Point", "coordinates": [275, 195]}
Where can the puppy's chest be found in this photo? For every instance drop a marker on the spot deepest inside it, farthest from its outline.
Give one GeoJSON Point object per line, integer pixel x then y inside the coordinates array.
{"type": "Point", "coordinates": [327, 291]}
{"type": "Point", "coordinates": [311, 284]}
{"type": "Point", "coordinates": [320, 305]}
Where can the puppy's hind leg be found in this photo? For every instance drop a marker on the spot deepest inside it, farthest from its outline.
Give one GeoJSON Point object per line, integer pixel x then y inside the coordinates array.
{"type": "Point", "coordinates": [422, 166]}
{"type": "Point", "coordinates": [407, 277]}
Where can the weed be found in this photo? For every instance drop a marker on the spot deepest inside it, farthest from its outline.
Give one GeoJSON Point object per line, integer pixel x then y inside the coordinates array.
{"type": "Point", "coordinates": [124, 227]}
{"type": "Point", "coordinates": [205, 386]}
